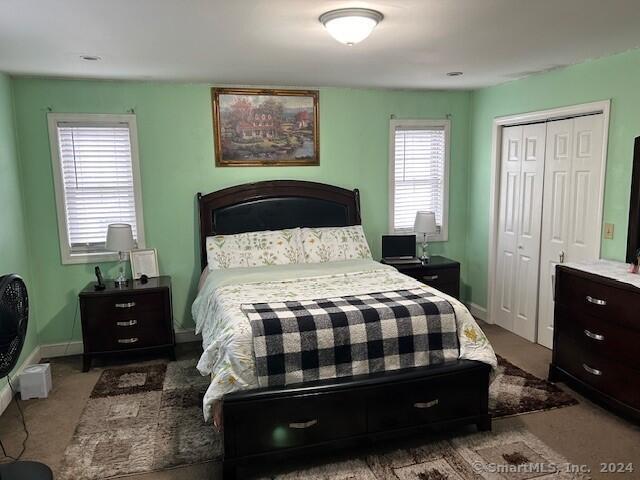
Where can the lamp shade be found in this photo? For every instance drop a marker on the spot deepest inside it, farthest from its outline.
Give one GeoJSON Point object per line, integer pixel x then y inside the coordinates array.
{"type": "Point", "coordinates": [119, 238]}
{"type": "Point", "coordinates": [425, 223]}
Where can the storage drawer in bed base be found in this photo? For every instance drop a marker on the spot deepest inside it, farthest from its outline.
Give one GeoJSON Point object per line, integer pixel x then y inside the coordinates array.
{"type": "Point", "coordinates": [267, 424]}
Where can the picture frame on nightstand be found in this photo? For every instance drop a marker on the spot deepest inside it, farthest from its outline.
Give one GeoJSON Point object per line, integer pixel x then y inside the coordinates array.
{"type": "Point", "coordinates": [144, 262]}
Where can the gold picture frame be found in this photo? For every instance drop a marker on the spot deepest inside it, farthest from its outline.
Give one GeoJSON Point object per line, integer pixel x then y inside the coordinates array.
{"type": "Point", "coordinates": [254, 127]}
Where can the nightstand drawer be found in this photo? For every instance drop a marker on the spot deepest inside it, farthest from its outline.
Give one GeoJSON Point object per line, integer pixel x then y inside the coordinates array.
{"type": "Point", "coordinates": [439, 276]}
{"type": "Point", "coordinates": [137, 336]}
{"type": "Point", "coordinates": [124, 305]}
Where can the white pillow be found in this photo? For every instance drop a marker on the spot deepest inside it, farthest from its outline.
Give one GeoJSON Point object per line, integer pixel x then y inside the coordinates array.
{"type": "Point", "coordinates": [329, 244]}
{"type": "Point", "coordinates": [254, 249]}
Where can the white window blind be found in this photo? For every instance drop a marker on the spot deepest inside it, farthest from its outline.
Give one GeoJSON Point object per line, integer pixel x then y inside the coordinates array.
{"type": "Point", "coordinates": [96, 169]}
{"type": "Point", "coordinates": [419, 155]}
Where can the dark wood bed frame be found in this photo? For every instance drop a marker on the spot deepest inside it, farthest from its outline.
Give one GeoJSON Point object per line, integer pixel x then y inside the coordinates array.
{"type": "Point", "coordinates": [268, 424]}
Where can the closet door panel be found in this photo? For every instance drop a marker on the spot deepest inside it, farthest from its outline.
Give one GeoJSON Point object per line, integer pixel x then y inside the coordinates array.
{"type": "Point", "coordinates": [555, 226]}
{"type": "Point", "coordinates": [529, 226]}
{"type": "Point", "coordinates": [510, 182]}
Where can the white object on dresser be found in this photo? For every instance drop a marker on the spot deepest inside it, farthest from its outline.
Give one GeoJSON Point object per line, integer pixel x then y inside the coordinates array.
{"type": "Point", "coordinates": [35, 381]}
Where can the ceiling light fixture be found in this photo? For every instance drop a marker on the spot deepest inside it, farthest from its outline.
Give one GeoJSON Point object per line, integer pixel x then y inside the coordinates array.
{"type": "Point", "coordinates": [350, 25]}
{"type": "Point", "coordinates": [454, 74]}
{"type": "Point", "coordinates": [90, 58]}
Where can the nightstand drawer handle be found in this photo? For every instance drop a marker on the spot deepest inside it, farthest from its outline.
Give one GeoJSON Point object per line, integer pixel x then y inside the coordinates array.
{"type": "Point", "coordinates": [430, 404]}
{"type": "Point", "coordinates": [596, 301]}
{"type": "Point", "coordinates": [128, 340]}
{"type": "Point", "coordinates": [431, 277]}
{"type": "Point", "coordinates": [592, 371]}
{"type": "Point", "coordinates": [303, 425]}
{"type": "Point", "coordinates": [128, 323]}
{"type": "Point", "coordinates": [126, 305]}
{"type": "Point", "coordinates": [595, 336]}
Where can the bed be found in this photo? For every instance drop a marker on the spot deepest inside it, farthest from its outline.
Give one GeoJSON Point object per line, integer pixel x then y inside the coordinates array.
{"type": "Point", "coordinates": [265, 419]}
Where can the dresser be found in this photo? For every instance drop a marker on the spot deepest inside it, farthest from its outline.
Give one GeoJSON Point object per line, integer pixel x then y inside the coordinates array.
{"type": "Point", "coordinates": [441, 273]}
{"type": "Point", "coordinates": [136, 318]}
{"type": "Point", "coordinates": [597, 334]}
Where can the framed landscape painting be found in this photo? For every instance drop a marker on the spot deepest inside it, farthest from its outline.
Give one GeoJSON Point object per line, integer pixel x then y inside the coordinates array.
{"type": "Point", "coordinates": [265, 127]}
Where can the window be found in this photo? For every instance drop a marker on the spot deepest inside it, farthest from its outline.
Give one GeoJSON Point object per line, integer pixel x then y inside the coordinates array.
{"type": "Point", "coordinates": [419, 173]}
{"type": "Point", "coordinates": [97, 182]}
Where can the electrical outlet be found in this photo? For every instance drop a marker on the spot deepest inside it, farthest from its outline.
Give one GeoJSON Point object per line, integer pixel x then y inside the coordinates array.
{"type": "Point", "coordinates": [608, 231]}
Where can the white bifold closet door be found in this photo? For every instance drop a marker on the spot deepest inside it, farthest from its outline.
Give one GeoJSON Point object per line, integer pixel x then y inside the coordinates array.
{"type": "Point", "coordinates": [571, 205]}
{"type": "Point", "coordinates": [518, 259]}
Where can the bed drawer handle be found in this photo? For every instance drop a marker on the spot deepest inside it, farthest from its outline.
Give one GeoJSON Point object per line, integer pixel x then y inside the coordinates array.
{"type": "Point", "coordinates": [431, 277]}
{"type": "Point", "coordinates": [128, 340]}
{"type": "Point", "coordinates": [128, 323]}
{"type": "Point", "coordinates": [596, 301]}
{"type": "Point", "coordinates": [592, 371]}
{"type": "Point", "coordinates": [430, 404]}
{"type": "Point", "coordinates": [303, 425]}
{"type": "Point", "coordinates": [595, 336]}
{"type": "Point", "coordinates": [126, 305]}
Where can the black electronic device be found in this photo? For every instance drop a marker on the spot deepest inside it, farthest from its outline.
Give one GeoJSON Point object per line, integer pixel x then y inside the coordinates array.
{"type": "Point", "coordinates": [100, 281]}
{"type": "Point", "coordinates": [399, 249]}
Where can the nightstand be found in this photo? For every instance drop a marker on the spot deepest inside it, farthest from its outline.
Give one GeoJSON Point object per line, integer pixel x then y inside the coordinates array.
{"type": "Point", "coordinates": [441, 273]}
{"type": "Point", "coordinates": [135, 318]}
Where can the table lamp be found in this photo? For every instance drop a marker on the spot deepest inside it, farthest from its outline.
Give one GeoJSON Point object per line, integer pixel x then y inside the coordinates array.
{"type": "Point", "coordinates": [120, 239]}
{"type": "Point", "coordinates": [425, 224]}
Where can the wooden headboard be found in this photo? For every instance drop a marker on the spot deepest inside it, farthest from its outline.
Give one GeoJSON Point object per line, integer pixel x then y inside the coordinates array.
{"type": "Point", "coordinates": [274, 205]}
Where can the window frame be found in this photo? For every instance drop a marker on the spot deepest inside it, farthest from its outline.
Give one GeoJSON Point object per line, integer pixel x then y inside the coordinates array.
{"type": "Point", "coordinates": [445, 124]}
{"type": "Point", "coordinates": [94, 119]}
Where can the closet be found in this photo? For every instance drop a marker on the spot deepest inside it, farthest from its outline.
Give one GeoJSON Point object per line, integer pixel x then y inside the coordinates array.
{"type": "Point", "coordinates": [549, 213]}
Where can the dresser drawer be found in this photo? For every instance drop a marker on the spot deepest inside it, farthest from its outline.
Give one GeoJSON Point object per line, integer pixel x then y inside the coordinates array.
{"type": "Point", "coordinates": [613, 378]}
{"type": "Point", "coordinates": [124, 305]}
{"type": "Point", "coordinates": [601, 338]}
{"type": "Point", "coordinates": [426, 401]}
{"type": "Point", "coordinates": [270, 426]}
{"type": "Point", "coordinates": [597, 299]}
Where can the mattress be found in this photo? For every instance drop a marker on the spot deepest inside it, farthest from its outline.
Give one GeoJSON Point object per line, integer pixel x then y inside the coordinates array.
{"type": "Point", "coordinates": [226, 332]}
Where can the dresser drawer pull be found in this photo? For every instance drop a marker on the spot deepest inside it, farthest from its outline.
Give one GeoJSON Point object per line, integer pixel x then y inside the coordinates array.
{"type": "Point", "coordinates": [430, 404]}
{"type": "Point", "coordinates": [126, 305]}
{"type": "Point", "coordinates": [595, 336]}
{"type": "Point", "coordinates": [596, 301]}
{"type": "Point", "coordinates": [128, 323]}
{"type": "Point", "coordinates": [431, 277]}
{"type": "Point", "coordinates": [303, 425]}
{"type": "Point", "coordinates": [128, 340]}
{"type": "Point", "coordinates": [592, 371]}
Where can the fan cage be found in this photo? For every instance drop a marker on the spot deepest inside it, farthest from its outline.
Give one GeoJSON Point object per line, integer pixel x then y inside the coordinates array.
{"type": "Point", "coordinates": [14, 314]}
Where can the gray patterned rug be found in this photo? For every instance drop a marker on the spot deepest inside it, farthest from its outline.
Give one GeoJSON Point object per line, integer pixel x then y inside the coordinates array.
{"type": "Point", "coordinates": [144, 418]}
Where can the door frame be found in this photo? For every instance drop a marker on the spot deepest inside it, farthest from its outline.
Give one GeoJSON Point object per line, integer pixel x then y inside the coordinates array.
{"type": "Point", "coordinates": [499, 123]}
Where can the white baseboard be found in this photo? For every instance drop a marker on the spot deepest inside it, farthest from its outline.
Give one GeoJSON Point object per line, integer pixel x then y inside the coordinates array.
{"type": "Point", "coordinates": [6, 395]}
{"type": "Point", "coordinates": [477, 311]}
{"type": "Point", "coordinates": [187, 335]}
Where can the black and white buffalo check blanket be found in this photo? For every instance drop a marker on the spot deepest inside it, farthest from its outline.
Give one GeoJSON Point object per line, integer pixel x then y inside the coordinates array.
{"type": "Point", "coordinates": [301, 341]}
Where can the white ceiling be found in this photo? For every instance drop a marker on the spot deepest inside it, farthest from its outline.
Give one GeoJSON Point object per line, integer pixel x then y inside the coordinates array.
{"type": "Point", "coordinates": [281, 42]}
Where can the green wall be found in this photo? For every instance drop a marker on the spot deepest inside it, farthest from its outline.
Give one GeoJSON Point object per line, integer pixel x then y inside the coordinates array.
{"type": "Point", "coordinates": [14, 257]}
{"type": "Point", "coordinates": [176, 155]}
{"type": "Point", "coordinates": [614, 77]}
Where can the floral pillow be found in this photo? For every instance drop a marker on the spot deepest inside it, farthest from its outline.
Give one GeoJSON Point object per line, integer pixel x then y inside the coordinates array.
{"type": "Point", "coordinates": [254, 249]}
{"type": "Point", "coordinates": [331, 244]}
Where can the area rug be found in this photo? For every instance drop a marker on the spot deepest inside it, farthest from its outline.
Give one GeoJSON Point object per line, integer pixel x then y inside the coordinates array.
{"type": "Point", "coordinates": [506, 454]}
{"type": "Point", "coordinates": [148, 417]}
{"type": "Point", "coordinates": [514, 392]}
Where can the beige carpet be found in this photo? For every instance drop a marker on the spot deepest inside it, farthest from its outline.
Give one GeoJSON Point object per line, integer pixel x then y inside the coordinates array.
{"type": "Point", "coordinates": [147, 418]}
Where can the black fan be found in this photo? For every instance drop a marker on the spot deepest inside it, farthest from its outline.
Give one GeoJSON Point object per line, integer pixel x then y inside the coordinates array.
{"type": "Point", "coordinates": [14, 315]}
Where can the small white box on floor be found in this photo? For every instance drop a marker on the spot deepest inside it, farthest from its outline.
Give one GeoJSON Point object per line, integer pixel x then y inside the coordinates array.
{"type": "Point", "coordinates": [35, 381]}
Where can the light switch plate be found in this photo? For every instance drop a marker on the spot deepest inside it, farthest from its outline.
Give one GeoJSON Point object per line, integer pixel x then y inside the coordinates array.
{"type": "Point", "coordinates": [608, 231]}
